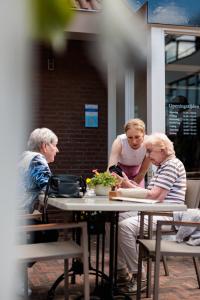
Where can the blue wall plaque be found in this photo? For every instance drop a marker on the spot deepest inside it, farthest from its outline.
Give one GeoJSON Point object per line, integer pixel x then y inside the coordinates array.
{"type": "Point", "coordinates": [91, 115]}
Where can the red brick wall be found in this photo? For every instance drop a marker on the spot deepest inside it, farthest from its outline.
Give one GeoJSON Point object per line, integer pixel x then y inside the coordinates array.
{"type": "Point", "coordinates": [62, 96]}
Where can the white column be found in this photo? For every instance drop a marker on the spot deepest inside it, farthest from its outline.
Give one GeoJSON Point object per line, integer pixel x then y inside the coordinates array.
{"type": "Point", "coordinates": [129, 95]}
{"type": "Point", "coordinates": [14, 99]}
{"type": "Point", "coordinates": [156, 81]}
{"type": "Point", "coordinates": [111, 105]}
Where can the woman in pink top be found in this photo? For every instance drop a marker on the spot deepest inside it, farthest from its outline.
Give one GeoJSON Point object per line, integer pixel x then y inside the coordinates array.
{"type": "Point", "coordinates": [129, 152]}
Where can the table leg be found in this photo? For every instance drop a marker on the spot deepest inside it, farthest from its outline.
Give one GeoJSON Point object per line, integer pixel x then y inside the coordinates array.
{"type": "Point", "coordinates": [112, 255]}
{"type": "Point", "coordinates": [113, 249]}
{"type": "Point", "coordinates": [116, 247]}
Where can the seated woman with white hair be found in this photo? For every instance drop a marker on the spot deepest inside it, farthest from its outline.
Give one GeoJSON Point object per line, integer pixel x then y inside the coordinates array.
{"type": "Point", "coordinates": [34, 166]}
{"type": "Point", "coordinates": [167, 185]}
{"type": "Point", "coordinates": [34, 174]}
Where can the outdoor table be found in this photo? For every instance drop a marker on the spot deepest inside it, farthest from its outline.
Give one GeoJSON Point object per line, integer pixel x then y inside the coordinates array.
{"type": "Point", "coordinates": [103, 204]}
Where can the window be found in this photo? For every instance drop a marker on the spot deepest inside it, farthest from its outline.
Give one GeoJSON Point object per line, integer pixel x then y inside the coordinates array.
{"type": "Point", "coordinates": [182, 88]}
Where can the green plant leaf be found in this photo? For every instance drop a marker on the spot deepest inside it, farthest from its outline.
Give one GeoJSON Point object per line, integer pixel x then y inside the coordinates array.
{"type": "Point", "coordinates": [104, 178]}
{"type": "Point", "coordinates": [50, 19]}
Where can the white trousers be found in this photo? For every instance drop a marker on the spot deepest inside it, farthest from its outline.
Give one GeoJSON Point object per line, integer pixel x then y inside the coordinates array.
{"type": "Point", "coordinates": [128, 231]}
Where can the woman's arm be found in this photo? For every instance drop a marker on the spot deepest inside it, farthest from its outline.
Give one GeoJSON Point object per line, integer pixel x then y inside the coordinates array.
{"type": "Point", "coordinates": [124, 182]}
{"type": "Point", "coordinates": [39, 172]}
{"type": "Point", "coordinates": [143, 170]}
{"type": "Point", "coordinates": [115, 152]}
{"type": "Point", "coordinates": [157, 193]}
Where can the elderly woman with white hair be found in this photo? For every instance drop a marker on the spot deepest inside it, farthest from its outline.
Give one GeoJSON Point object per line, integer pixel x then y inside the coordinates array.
{"type": "Point", "coordinates": [34, 174]}
{"type": "Point", "coordinates": [167, 185]}
{"type": "Point", "coordinates": [33, 167]}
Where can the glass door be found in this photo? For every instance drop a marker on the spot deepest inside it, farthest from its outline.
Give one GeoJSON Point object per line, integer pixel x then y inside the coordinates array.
{"type": "Point", "coordinates": [182, 98]}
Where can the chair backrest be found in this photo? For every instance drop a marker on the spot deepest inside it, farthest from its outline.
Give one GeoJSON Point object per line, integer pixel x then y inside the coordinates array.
{"type": "Point", "coordinates": [192, 198]}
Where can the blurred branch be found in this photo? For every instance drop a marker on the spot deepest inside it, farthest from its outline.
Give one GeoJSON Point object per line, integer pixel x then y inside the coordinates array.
{"type": "Point", "coordinates": [50, 19]}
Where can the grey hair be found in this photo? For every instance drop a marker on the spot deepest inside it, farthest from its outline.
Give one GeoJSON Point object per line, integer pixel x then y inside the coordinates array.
{"type": "Point", "coordinates": [160, 141]}
{"type": "Point", "coordinates": [41, 136]}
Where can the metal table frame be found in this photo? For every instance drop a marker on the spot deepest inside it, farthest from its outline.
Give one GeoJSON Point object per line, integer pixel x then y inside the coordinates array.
{"type": "Point", "coordinates": [103, 204]}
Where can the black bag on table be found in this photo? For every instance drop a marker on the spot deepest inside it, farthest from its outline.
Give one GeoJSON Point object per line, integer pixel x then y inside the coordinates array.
{"type": "Point", "coordinates": [66, 186]}
{"type": "Point", "coordinates": [63, 186]}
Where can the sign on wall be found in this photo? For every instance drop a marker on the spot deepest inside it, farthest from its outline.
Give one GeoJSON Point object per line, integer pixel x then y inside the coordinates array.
{"type": "Point", "coordinates": [174, 12]}
{"type": "Point", "coordinates": [170, 12]}
{"type": "Point", "coordinates": [183, 119]}
{"type": "Point", "coordinates": [91, 115]}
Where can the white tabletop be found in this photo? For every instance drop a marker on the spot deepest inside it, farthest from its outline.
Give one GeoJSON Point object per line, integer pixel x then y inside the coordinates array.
{"type": "Point", "coordinates": [102, 203]}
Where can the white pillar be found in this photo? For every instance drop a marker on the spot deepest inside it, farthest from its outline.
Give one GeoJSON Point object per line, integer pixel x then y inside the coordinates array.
{"type": "Point", "coordinates": [129, 95]}
{"type": "Point", "coordinates": [156, 81]}
{"type": "Point", "coordinates": [111, 105]}
{"type": "Point", "coordinates": [14, 81]}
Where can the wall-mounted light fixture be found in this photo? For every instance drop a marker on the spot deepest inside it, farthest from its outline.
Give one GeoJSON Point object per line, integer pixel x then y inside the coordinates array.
{"type": "Point", "coordinates": [51, 64]}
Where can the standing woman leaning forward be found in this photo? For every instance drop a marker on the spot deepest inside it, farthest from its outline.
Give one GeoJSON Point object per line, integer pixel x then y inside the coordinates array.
{"type": "Point", "coordinates": [129, 153]}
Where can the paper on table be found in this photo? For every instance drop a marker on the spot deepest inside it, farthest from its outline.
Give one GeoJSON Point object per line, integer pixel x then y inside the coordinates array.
{"type": "Point", "coordinates": [150, 201]}
{"type": "Point", "coordinates": [136, 192]}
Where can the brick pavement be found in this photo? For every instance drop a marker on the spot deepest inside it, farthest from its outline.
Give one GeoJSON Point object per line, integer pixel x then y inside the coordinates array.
{"type": "Point", "coordinates": [181, 284]}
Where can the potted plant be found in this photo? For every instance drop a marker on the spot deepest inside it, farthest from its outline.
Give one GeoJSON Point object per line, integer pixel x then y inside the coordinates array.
{"type": "Point", "coordinates": [102, 182]}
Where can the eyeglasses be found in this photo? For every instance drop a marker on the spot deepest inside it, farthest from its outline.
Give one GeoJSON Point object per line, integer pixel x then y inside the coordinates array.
{"type": "Point", "coordinates": [148, 151]}
{"type": "Point", "coordinates": [52, 145]}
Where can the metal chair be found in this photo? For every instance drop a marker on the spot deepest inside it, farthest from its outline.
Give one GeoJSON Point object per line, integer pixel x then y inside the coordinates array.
{"type": "Point", "coordinates": [192, 200]}
{"type": "Point", "coordinates": [27, 253]}
{"type": "Point", "coordinates": [192, 197]}
{"type": "Point", "coordinates": [156, 248]}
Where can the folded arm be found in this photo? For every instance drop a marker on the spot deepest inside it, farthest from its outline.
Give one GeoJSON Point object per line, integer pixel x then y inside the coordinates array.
{"type": "Point", "coordinates": [39, 172]}
{"type": "Point", "coordinates": [157, 193]}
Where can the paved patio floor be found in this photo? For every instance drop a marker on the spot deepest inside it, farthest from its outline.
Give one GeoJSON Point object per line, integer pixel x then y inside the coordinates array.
{"type": "Point", "coordinates": [181, 284]}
